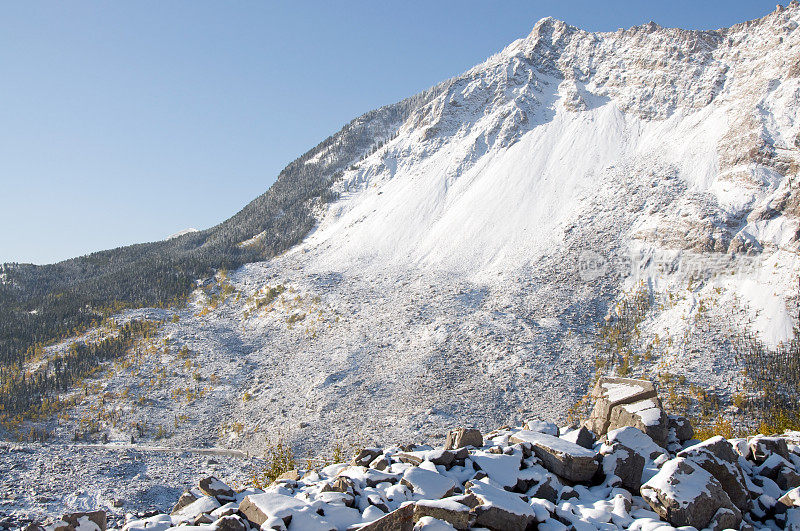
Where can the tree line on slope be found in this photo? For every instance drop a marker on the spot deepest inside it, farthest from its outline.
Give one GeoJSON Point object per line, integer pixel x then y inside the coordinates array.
{"type": "Point", "coordinates": [40, 305]}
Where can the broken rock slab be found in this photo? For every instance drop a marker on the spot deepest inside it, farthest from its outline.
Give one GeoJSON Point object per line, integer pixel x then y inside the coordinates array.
{"type": "Point", "coordinates": [258, 508]}
{"type": "Point", "coordinates": [610, 392]}
{"type": "Point", "coordinates": [685, 494]}
{"type": "Point", "coordinates": [500, 510]}
{"type": "Point", "coordinates": [401, 519]}
{"type": "Point", "coordinates": [448, 510]}
{"type": "Point", "coordinates": [561, 457]}
{"type": "Point", "coordinates": [646, 415]}
{"type": "Point", "coordinates": [461, 437]}
{"type": "Point", "coordinates": [86, 520]}
{"type": "Point", "coordinates": [716, 456]}
{"type": "Point", "coordinates": [211, 486]}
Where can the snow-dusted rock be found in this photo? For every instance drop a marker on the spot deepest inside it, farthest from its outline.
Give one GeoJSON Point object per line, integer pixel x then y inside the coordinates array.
{"type": "Point", "coordinates": [541, 426]}
{"type": "Point", "coordinates": [580, 436]}
{"type": "Point", "coordinates": [561, 457]}
{"type": "Point", "coordinates": [429, 523]}
{"type": "Point", "coordinates": [185, 499]}
{"type": "Point", "coordinates": [230, 523]}
{"type": "Point", "coordinates": [86, 521]}
{"type": "Point", "coordinates": [680, 427]}
{"type": "Point", "coordinates": [791, 498]}
{"type": "Point", "coordinates": [401, 519]}
{"type": "Point", "coordinates": [646, 415]}
{"type": "Point", "coordinates": [624, 463]}
{"type": "Point", "coordinates": [428, 484]}
{"type": "Point", "coordinates": [716, 455]}
{"type": "Point", "coordinates": [610, 392]}
{"type": "Point", "coordinates": [500, 510]}
{"type": "Point", "coordinates": [366, 455]}
{"type": "Point", "coordinates": [211, 486]}
{"type": "Point", "coordinates": [762, 447]}
{"type": "Point", "coordinates": [684, 494]}
{"type": "Point", "coordinates": [258, 508]}
{"type": "Point", "coordinates": [461, 437]}
{"type": "Point", "coordinates": [447, 509]}
{"type": "Point", "coordinates": [202, 505]}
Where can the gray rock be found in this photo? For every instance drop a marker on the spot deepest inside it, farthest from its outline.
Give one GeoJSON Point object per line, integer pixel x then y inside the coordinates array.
{"type": "Point", "coordinates": [624, 463]}
{"type": "Point", "coordinates": [230, 523]}
{"type": "Point", "coordinates": [683, 493]}
{"type": "Point", "coordinates": [98, 518]}
{"type": "Point", "coordinates": [646, 415]}
{"type": "Point", "coordinates": [563, 458]}
{"type": "Point", "coordinates": [401, 519]}
{"type": "Point", "coordinates": [461, 437]}
{"type": "Point", "coordinates": [717, 456]}
{"type": "Point", "coordinates": [610, 392]}
{"type": "Point", "coordinates": [582, 437]}
{"type": "Point", "coordinates": [366, 455]}
{"type": "Point", "coordinates": [681, 427]}
{"type": "Point", "coordinates": [185, 499]}
{"type": "Point", "coordinates": [762, 447]}
{"type": "Point", "coordinates": [448, 509]}
{"type": "Point", "coordinates": [211, 486]}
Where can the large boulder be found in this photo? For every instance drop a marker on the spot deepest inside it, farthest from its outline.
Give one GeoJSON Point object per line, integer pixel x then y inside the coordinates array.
{"type": "Point", "coordinates": [762, 447]}
{"type": "Point", "coordinates": [87, 520]}
{"type": "Point", "coordinates": [563, 458]}
{"type": "Point", "coordinates": [500, 510]}
{"type": "Point", "coordinates": [448, 510]}
{"type": "Point", "coordinates": [211, 486]}
{"type": "Point", "coordinates": [581, 436]}
{"type": "Point", "coordinates": [401, 519]}
{"type": "Point", "coordinates": [646, 415]}
{"type": "Point", "coordinates": [258, 508]}
{"type": "Point", "coordinates": [680, 427]}
{"type": "Point", "coordinates": [427, 484]}
{"type": "Point", "coordinates": [685, 494]}
{"type": "Point", "coordinates": [624, 463]}
{"type": "Point", "coordinates": [717, 456]}
{"type": "Point", "coordinates": [461, 437]}
{"type": "Point", "coordinates": [610, 392]}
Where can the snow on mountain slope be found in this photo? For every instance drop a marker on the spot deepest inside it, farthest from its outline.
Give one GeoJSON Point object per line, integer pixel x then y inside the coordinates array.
{"type": "Point", "coordinates": [462, 273]}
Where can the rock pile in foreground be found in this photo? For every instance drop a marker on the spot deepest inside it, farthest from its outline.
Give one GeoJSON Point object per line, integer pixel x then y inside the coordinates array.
{"type": "Point", "coordinates": [630, 466]}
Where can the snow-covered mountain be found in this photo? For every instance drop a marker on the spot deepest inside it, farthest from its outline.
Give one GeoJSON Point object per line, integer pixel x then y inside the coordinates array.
{"type": "Point", "coordinates": [475, 249]}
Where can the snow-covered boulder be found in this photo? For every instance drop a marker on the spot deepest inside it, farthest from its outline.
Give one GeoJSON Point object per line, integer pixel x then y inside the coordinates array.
{"type": "Point", "coordinates": [258, 508]}
{"type": "Point", "coordinates": [450, 510]}
{"type": "Point", "coordinates": [684, 494]}
{"type": "Point", "coordinates": [541, 426]}
{"type": "Point", "coordinates": [580, 436]}
{"type": "Point", "coordinates": [427, 484]}
{"type": "Point", "coordinates": [560, 457]}
{"type": "Point", "coordinates": [86, 521]}
{"type": "Point", "coordinates": [401, 519]}
{"type": "Point", "coordinates": [646, 415]}
{"type": "Point", "coordinates": [501, 510]}
{"type": "Point", "coordinates": [762, 447]}
{"type": "Point", "coordinates": [716, 456]}
{"type": "Point", "coordinates": [461, 437]}
{"type": "Point", "coordinates": [624, 463]}
{"type": "Point", "coordinates": [610, 392]}
{"type": "Point", "coordinates": [211, 486]}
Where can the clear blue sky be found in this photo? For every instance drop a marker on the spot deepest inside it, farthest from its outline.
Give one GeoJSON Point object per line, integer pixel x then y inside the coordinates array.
{"type": "Point", "coordinates": [124, 122]}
